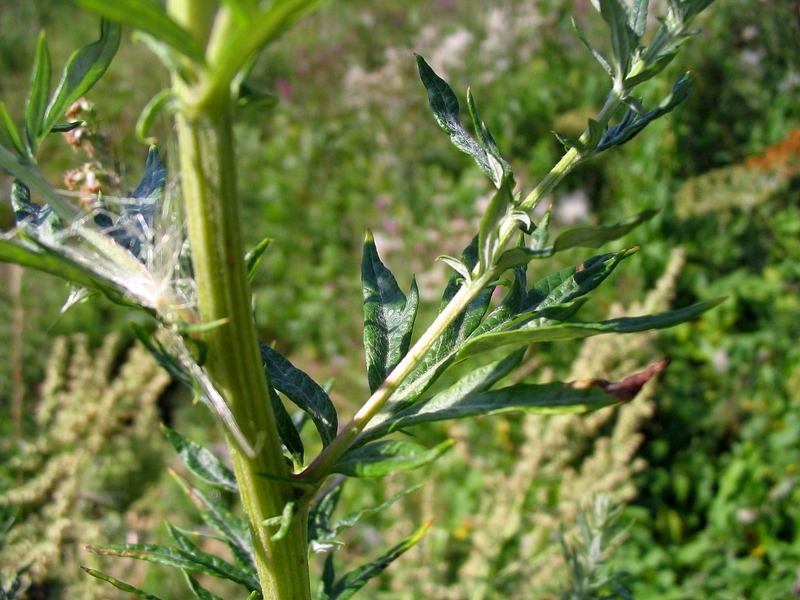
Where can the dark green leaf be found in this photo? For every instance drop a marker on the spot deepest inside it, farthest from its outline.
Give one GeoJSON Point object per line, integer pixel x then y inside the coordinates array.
{"type": "Point", "coordinates": [594, 237]}
{"type": "Point", "coordinates": [350, 519]}
{"type": "Point", "coordinates": [234, 531]}
{"type": "Point", "coordinates": [120, 584]}
{"type": "Point", "coordinates": [302, 390]}
{"type": "Point", "coordinates": [151, 18]}
{"type": "Point", "coordinates": [287, 431]}
{"type": "Point", "coordinates": [388, 316]}
{"type": "Point", "coordinates": [201, 462]}
{"type": "Point", "coordinates": [83, 70]}
{"type": "Point", "coordinates": [253, 258]}
{"type": "Point", "coordinates": [39, 95]}
{"type": "Point", "coordinates": [11, 133]}
{"type": "Point", "coordinates": [553, 330]}
{"type": "Point", "coordinates": [444, 104]}
{"type": "Point", "coordinates": [66, 127]}
{"type": "Point", "coordinates": [320, 529]}
{"type": "Point", "coordinates": [203, 562]}
{"type": "Point", "coordinates": [381, 458]}
{"type": "Point", "coordinates": [355, 580]}
{"type": "Point", "coordinates": [479, 380]}
{"type": "Point", "coordinates": [199, 591]}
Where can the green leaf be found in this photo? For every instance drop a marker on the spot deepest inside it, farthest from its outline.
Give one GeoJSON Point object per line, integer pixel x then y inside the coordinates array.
{"type": "Point", "coordinates": [388, 316]}
{"type": "Point", "coordinates": [320, 529]}
{"type": "Point", "coordinates": [152, 109]}
{"type": "Point", "coordinates": [83, 70]}
{"type": "Point", "coordinates": [489, 232]}
{"type": "Point", "coordinates": [479, 380]}
{"type": "Point", "coordinates": [599, 57]}
{"type": "Point", "coordinates": [594, 237]}
{"type": "Point", "coordinates": [552, 330]}
{"type": "Point", "coordinates": [290, 436]}
{"type": "Point", "coordinates": [638, 17]}
{"type": "Point", "coordinates": [302, 390]}
{"type": "Point", "coordinates": [201, 462]}
{"type": "Point", "coordinates": [350, 519]}
{"type": "Point", "coordinates": [10, 131]}
{"type": "Point", "coordinates": [151, 18]}
{"type": "Point", "coordinates": [486, 140]}
{"type": "Point", "coordinates": [253, 258]}
{"type": "Point", "coordinates": [38, 97]}
{"type": "Point", "coordinates": [203, 562]}
{"type": "Point", "coordinates": [234, 531]}
{"type": "Point", "coordinates": [355, 580]}
{"type": "Point", "coordinates": [381, 458]}
{"type": "Point", "coordinates": [445, 107]}
{"type": "Point", "coordinates": [623, 40]}
{"type": "Point", "coordinates": [120, 584]}
{"type": "Point", "coordinates": [47, 261]}
{"type": "Point", "coordinates": [198, 590]}
{"type": "Point", "coordinates": [541, 234]}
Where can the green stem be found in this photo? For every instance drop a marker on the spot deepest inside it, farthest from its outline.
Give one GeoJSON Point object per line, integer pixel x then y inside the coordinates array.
{"type": "Point", "coordinates": [208, 179]}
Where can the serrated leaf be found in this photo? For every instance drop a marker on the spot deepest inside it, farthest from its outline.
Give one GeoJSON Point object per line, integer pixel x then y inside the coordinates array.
{"type": "Point", "coordinates": [83, 70]}
{"type": "Point", "coordinates": [615, 14]}
{"type": "Point", "coordinates": [151, 18]}
{"type": "Point", "coordinates": [594, 237]}
{"type": "Point", "coordinates": [201, 462]}
{"type": "Point", "coordinates": [388, 316]}
{"type": "Point", "coordinates": [302, 390]}
{"type": "Point", "coordinates": [39, 94]}
{"type": "Point", "coordinates": [253, 258]}
{"type": "Point", "coordinates": [234, 531]}
{"type": "Point", "coordinates": [355, 580]}
{"type": "Point", "coordinates": [199, 591]}
{"type": "Point", "coordinates": [10, 130]}
{"type": "Point", "coordinates": [290, 436]}
{"type": "Point", "coordinates": [445, 107]}
{"type": "Point", "coordinates": [203, 562]}
{"type": "Point", "coordinates": [552, 330]}
{"type": "Point", "coordinates": [381, 458]}
{"type": "Point", "coordinates": [121, 585]}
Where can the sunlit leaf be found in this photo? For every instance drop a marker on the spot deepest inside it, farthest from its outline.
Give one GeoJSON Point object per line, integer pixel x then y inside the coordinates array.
{"type": "Point", "coordinates": [121, 585]}
{"type": "Point", "coordinates": [381, 458]}
{"type": "Point", "coordinates": [201, 462]}
{"type": "Point", "coordinates": [39, 95]}
{"type": "Point", "coordinates": [594, 237]}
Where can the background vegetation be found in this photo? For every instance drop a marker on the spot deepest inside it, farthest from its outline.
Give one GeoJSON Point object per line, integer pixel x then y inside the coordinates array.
{"type": "Point", "coordinates": [707, 463]}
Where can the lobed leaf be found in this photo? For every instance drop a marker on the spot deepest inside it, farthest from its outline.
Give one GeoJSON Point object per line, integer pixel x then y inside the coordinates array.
{"type": "Point", "coordinates": [388, 316]}
{"type": "Point", "coordinates": [302, 390]}
{"type": "Point", "coordinates": [151, 18]}
{"type": "Point", "coordinates": [201, 462]}
{"type": "Point", "coordinates": [121, 585]}
{"type": "Point", "coordinates": [355, 580]}
{"type": "Point", "coordinates": [381, 458]}
{"type": "Point", "coordinates": [234, 531]}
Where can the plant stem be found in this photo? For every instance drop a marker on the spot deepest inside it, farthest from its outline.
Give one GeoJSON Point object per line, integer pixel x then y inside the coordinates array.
{"type": "Point", "coordinates": [208, 178]}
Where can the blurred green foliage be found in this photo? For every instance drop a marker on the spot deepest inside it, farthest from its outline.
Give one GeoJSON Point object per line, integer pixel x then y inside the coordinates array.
{"type": "Point", "coordinates": [352, 145]}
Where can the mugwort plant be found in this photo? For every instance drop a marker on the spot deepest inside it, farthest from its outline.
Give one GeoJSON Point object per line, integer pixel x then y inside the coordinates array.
{"type": "Point", "coordinates": [191, 275]}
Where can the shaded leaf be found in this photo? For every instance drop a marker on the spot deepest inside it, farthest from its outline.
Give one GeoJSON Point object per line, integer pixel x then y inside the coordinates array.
{"type": "Point", "coordinates": [594, 237]}
{"type": "Point", "coordinates": [201, 462]}
{"type": "Point", "coordinates": [288, 432]}
{"type": "Point", "coordinates": [381, 458]}
{"type": "Point", "coordinates": [10, 130]}
{"type": "Point", "coordinates": [198, 590]}
{"type": "Point", "coordinates": [151, 18]}
{"type": "Point", "coordinates": [355, 580]}
{"type": "Point", "coordinates": [638, 17]}
{"type": "Point", "coordinates": [489, 232]}
{"type": "Point", "coordinates": [302, 390]}
{"type": "Point", "coordinates": [388, 316]}
{"type": "Point", "coordinates": [599, 57]}
{"type": "Point", "coordinates": [623, 40]}
{"type": "Point", "coordinates": [120, 584]}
